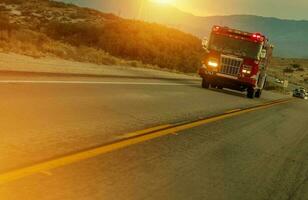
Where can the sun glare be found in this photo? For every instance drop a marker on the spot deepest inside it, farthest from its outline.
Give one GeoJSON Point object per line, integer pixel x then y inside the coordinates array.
{"type": "Point", "coordinates": [165, 2]}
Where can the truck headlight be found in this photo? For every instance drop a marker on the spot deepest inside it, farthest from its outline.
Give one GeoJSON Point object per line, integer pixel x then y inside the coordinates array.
{"type": "Point", "coordinates": [246, 69]}
{"type": "Point", "coordinates": [212, 63]}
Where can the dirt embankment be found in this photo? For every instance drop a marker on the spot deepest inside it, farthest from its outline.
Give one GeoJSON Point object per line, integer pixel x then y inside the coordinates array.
{"type": "Point", "coordinates": [21, 64]}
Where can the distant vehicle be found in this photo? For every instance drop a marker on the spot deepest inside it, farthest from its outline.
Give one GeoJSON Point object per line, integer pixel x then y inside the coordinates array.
{"type": "Point", "coordinates": [237, 60]}
{"type": "Point", "coordinates": [300, 93]}
{"type": "Point", "coordinates": [279, 81]}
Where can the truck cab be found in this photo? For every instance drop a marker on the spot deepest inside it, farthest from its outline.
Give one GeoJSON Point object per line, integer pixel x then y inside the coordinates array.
{"type": "Point", "coordinates": [236, 60]}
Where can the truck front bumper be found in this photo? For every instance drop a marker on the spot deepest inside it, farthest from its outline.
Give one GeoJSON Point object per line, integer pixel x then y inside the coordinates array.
{"type": "Point", "coordinates": [227, 81]}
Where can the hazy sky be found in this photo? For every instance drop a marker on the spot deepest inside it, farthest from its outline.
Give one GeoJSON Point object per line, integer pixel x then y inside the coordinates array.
{"type": "Point", "coordinates": [292, 9]}
{"type": "Point", "coordinates": [287, 9]}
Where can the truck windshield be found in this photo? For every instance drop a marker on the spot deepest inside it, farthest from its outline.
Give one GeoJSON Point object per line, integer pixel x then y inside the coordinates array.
{"type": "Point", "coordinates": [234, 46]}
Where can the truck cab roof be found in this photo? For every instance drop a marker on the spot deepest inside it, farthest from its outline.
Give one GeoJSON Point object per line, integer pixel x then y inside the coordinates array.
{"type": "Point", "coordinates": [224, 30]}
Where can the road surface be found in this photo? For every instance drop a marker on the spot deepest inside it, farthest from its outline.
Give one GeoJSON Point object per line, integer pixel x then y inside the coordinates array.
{"type": "Point", "coordinates": [258, 154]}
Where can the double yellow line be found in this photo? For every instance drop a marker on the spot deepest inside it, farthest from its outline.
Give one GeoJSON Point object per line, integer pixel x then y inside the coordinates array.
{"type": "Point", "coordinates": [127, 140]}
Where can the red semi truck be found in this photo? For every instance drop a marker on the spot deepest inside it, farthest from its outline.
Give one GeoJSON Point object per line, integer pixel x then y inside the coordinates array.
{"type": "Point", "coordinates": [236, 60]}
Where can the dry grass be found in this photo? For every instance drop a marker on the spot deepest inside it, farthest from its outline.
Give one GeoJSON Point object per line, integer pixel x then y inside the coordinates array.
{"type": "Point", "coordinates": [298, 77]}
{"type": "Point", "coordinates": [38, 45]}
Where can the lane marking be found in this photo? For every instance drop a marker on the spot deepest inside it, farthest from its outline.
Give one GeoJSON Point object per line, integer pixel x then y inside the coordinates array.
{"type": "Point", "coordinates": [92, 82]}
{"type": "Point", "coordinates": [235, 110]}
{"type": "Point", "coordinates": [47, 173]}
{"type": "Point", "coordinates": [142, 132]}
{"type": "Point", "coordinates": [146, 136]}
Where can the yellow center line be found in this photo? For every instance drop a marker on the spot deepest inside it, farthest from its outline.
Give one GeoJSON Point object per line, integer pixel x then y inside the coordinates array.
{"type": "Point", "coordinates": [153, 133]}
{"type": "Point", "coordinates": [138, 133]}
{"type": "Point", "coordinates": [46, 173]}
{"type": "Point", "coordinates": [231, 111]}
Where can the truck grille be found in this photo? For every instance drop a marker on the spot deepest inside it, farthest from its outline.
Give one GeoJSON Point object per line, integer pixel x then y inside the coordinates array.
{"type": "Point", "coordinates": [230, 65]}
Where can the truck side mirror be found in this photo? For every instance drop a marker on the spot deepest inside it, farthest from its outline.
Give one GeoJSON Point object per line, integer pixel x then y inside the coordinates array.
{"type": "Point", "coordinates": [205, 43]}
{"type": "Point", "coordinates": [263, 54]}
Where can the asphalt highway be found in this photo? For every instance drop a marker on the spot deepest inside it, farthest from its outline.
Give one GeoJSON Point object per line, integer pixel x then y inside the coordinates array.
{"type": "Point", "coordinates": [258, 154]}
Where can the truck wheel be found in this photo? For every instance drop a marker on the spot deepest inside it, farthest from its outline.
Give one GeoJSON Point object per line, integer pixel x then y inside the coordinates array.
{"type": "Point", "coordinates": [250, 93]}
{"type": "Point", "coordinates": [205, 84]}
{"type": "Point", "coordinates": [258, 93]}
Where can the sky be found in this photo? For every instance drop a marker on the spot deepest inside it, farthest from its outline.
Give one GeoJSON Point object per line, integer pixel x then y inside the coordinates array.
{"type": "Point", "coordinates": [285, 9]}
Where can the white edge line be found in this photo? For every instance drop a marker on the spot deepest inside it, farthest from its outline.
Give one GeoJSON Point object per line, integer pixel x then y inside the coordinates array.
{"type": "Point", "coordinates": [90, 82]}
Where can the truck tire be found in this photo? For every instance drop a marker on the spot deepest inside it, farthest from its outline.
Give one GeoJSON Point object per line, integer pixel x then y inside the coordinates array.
{"type": "Point", "coordinates": [258, 93]}
{"type": "Point", "coordinates": [205, 84]}
{"type": "Point", "coordinates": [250, 93]}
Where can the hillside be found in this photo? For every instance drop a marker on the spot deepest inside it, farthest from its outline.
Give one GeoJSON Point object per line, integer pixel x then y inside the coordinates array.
{"type": "Point", "coordinates": [289, 36]}
{"type": "Point", "coordinates": [43, 27]}
{"type": "Point", "coordinates": [294, 70]}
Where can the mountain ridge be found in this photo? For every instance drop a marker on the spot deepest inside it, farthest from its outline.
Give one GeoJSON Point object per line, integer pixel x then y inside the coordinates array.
{"type": "Point", "coordinates": [289, 36]}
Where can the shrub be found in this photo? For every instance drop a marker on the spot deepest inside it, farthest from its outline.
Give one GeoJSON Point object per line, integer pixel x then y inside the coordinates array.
{"type": "Point", "coordinates": [3, 8]}
{"type": "Point", "coordinates": [13, 1]}
{"type": "Point", "coordinates": [288, 70]}
{"type": "Point", "coordinates": [295, 66]}
{"type": "Point", "coordinates": [150, 43]}
{"type": "Point", "coordinates": [134, 63]}
{"type": "Point", "coordinates": [57, 4]}
{"type": "Point", "coordinates": [273, 87]}
{"type": "Point", "coordinates": [5, 24]}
